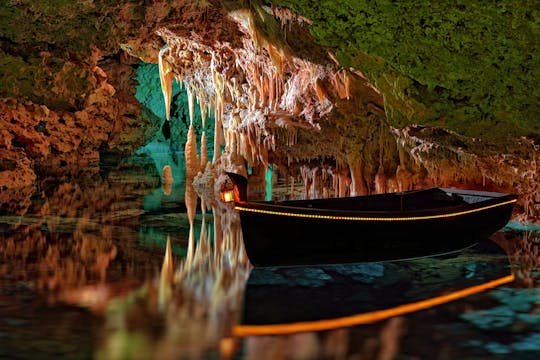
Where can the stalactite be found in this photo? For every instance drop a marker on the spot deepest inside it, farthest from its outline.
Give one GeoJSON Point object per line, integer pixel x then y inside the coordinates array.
{"type": "Point", "coordinates": [204, 151]}
{"type": "Point", "coordinates": [403, 175]}
{"type": "Point", "coordinates": [193, 163]}
{"type": "Point", "coordinates": [319, 90]}
{"type": "Point", "coordinates": [358, 184]}
{"type": "Point", "coordinates": [166, 77]}
{"type": "Point", "coordinates": [202, 108]}
{"type": "Point", "coordinates": [308, 181]}
{"type": "Point", "coordinates": [344, 185]}
{"type": "Point", "coordinates": [314, 183]}
{"type": "Point", "coordinates": [347, 85]}
{"type": "Point", "coordinates": [380, 181]}
{"type": "Point", "coordinates": [278, 58]}
{"type": "Point", "coordinates": [219, 87]}
{"type": "Point", "coordinates": [380, 177]}
{"type": "Point", "coordinates": [190, 103]}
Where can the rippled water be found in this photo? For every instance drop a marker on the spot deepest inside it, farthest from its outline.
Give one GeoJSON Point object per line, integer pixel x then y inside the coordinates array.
{"type": "Point", "coordinates": [109, 265]}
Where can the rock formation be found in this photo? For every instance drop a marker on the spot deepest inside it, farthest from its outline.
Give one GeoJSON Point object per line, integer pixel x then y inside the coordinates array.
{"type": "Point", "coordinates": [352, 99]}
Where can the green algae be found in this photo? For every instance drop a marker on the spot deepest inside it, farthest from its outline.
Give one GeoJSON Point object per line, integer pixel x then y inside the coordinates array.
{"type": "Point", "coordinates": [59, 85]}
{"type": "Point", "coordinates": [468, 66]}
{"type": "Point", "coordinates": [44, 44]}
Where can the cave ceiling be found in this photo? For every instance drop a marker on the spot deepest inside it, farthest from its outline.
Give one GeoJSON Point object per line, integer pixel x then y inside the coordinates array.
{"type": "Point", "coordinates": [381, 95]}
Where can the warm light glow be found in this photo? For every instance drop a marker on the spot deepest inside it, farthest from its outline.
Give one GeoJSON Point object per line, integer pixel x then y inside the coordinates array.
{"type": "Point", "coordinates": [365, 318]}
{"type": "Point", "coordinates": [227, 196]}
{"type": "Point", "coordinates": [372, 218]}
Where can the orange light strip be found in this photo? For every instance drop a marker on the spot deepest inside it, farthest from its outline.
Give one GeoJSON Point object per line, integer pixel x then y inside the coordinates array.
{"type": "Point", "coordinates": [369, 218]}
{"type": "Point", "coordinates": [365, 318]}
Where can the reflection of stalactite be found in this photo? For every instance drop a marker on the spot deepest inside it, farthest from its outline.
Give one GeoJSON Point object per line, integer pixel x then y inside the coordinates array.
{"type": "Point", "coordinates": [523, 250]}
{"type": "Point", "coordinates": [192, 168]}
{"type": "Point", "coordinates": [215, 275]}
{"type": "Point", "coordinates": [166, 276]}
{"type": "Point", "coordinates": [390, 337]}
{"type": "Point", "coordinates": [168, 180]}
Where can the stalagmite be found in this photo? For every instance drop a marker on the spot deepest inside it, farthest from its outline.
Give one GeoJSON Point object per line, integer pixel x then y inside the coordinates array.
{"type": "Point", "coordinates": [358, 184]}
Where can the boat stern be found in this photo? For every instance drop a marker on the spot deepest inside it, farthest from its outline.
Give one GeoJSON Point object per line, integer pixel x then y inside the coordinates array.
{"type": "Point", "coordinates": [239, 191]}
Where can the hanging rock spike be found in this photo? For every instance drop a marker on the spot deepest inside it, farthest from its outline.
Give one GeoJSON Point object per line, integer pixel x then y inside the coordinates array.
{"type": "Point", "coordinates": [166, 77]}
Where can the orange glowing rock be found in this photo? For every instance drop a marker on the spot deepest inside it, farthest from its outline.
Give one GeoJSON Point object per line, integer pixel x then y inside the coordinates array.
{"type": "Point", "coordinates": [380, 181]}
{"type": "Point", "coordinates": [168, 180]}
{"type": "Point", "coordinates": [358, 184]}
{"type": "Point", "coordinates": [193, 163]}
{"type": "Point", "coordinates": [204, 152]}
{"type": "Point", "coordinates": [319, 89]}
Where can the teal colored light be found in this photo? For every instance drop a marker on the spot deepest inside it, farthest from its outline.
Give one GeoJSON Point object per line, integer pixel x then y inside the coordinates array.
{"type": "Point", "coordinates": [269, 173]}
{"type": "Point", "coordinates": [149, 91]}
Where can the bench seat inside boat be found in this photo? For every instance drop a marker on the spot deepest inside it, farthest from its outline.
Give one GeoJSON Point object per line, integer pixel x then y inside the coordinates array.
{"type": "Point", "coordinates": [414, 200]}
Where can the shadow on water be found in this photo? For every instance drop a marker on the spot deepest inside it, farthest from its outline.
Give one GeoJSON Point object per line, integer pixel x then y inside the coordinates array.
{"type": "Point", "coordinates": [113, 265]}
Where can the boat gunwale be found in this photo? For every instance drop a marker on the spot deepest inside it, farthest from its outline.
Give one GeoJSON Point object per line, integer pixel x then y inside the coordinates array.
{"type": "Point", "coordinates": [278, 209]}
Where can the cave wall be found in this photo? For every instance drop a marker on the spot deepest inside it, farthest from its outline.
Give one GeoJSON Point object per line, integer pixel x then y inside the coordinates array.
{"type": "Point", "coordinates": [386, 95]}
{"type": "Point", "coordinates": [66, 90]}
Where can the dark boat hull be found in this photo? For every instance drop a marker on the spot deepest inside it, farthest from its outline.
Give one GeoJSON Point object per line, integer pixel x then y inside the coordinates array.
{"type": "Point", "coordinates": [367, 228]}
{"type": "Point", "coordinates": [281, 240]}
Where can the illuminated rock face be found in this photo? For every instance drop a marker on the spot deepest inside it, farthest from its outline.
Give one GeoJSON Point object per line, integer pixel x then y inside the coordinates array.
{"type": "Point", "coordinates": [337, 117]}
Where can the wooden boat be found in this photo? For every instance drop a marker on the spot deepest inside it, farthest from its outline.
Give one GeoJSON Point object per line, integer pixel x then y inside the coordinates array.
{"type": "Point", "coordinates": [366, 228]}
{"type": "Point", "coordinates": [282, 300]}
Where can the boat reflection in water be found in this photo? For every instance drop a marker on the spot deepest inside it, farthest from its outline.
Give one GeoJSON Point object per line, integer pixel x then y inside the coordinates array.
{"type": "Point", "coordinates": [90, 272]}
{"type": "Point", "coordinates": [314, 311]}
{"type": "Point", "coordinates": [332, 296]}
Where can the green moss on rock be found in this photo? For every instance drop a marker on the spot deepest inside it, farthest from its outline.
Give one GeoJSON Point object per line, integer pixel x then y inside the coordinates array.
{"type": "Point", "coordinates": [469, 66]}
{"type": "Point", "coordinates": [59, 85]}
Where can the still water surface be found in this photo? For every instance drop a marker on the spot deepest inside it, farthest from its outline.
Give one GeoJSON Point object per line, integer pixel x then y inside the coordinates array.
{"type": "Point", "coordinates": [110, 265]}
